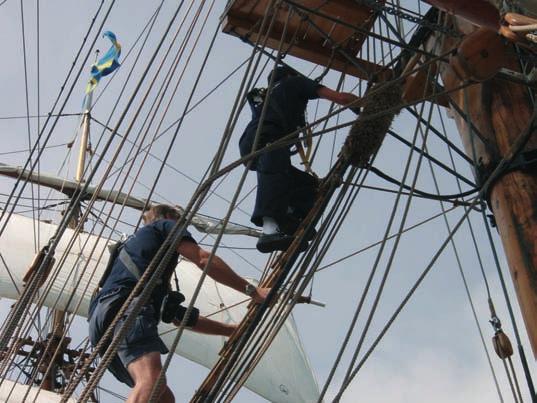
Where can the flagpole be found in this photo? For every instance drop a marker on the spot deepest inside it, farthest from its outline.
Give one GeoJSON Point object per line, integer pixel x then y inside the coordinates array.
{"type": "Point", "coordinates": [84, 139]}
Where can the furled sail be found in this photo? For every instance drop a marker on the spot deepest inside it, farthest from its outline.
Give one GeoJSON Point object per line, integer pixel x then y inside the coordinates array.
{"type": "Point", "coordinates": [283, 375]}
{"type": "Point", "coordinates": [12, 392]}
{"type": "Point", "coordinates": [69, 187]}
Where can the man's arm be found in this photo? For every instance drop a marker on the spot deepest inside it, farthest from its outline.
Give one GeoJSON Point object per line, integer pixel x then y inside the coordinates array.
{"type": "Point", "coordinates": [218, 270]}
{"type": "Point", "coordinates": [341, 98]}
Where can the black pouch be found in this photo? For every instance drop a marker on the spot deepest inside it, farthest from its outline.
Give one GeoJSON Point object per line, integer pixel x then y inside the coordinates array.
{"type": "Point", "coordinates": [171, 305]}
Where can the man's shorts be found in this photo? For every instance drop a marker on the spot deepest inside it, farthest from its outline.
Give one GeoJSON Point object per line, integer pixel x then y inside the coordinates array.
{"type": "Point", "coordinates": [142, 338]}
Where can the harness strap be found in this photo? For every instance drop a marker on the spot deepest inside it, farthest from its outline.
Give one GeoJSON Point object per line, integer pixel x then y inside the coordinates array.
{"type": "Point", "coordinates": [127, 261]}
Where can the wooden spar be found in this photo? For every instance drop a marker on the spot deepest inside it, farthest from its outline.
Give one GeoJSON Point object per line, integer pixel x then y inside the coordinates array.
{"type": "Point", "coordinates": [501, 112]}
{"type": "Point", "coordinates": [478, 12]}
{"type": "Point", "coordinates": [329, 33]}
{"type": "Point", "coordinates": [486, 14]}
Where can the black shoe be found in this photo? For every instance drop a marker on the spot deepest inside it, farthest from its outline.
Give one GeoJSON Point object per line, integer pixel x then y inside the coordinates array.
{"type": "Point", "coordinates": [289, 224]}
{"type": "Point", "coordinates": [273, 242]}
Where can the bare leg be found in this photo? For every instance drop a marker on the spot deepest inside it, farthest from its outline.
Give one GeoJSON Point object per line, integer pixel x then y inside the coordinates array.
{"type": "Point", "coordinates": [208, 326]}
{"type": "Point", "coordinates": [145, 372]}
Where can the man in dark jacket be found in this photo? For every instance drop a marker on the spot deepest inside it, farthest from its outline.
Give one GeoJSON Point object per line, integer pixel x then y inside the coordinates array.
{"type": "Point", "coordinates": [137, 362]}
{"type": "Point", "coordinates": [285, 194]}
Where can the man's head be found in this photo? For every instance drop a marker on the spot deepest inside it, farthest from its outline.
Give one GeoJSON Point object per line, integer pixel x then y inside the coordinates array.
{"type": "Point", "coordinates": [160, 212]}
{"type": "Point", "coordinates": [280, 73]}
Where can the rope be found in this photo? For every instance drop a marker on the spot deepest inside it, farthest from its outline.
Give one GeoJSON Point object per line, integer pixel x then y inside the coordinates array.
{"type": "Point", "coordinates": [294, 290]}
{"type": "Point", "coordinates": [271, 83]}
{"type": "Point", "coordinates": [472, 135]}
{"type": "Point", "coordinates": [38, 85]}
{"type": "Point", "coordinates": [14, 117]}
{"type": "Point", "coordinates": [27, 99]}
{"type": "Point", "coordinates": [142, 103]}
{"type": "Point", "coordinates": [427, 195]}
{"type": "Point", "coordinates": [374, 269]}
{"type": "Point", "coordinates": [29, 292]}
{"type": "Point", "coordinates": [56, 102]}
{"type": "Point", "coordinates": [463, 276]}
{"type": "Point", "coordinates": [250, 156]}
{"type": "Point", "coordinates": [213, 179]}
{"type": "Point", "coordinates": [372, 245]}
{"type": "Point", "coordinates": [514, 149]}
{"type": "Point", "coordinates": [134, 311]}
{"type": "Point", "coordinates": [220, 173]}
{"type": "Point", "coordinates": [263, 113]}
{"type": "Point", "coordinates": [88, 181]}
{"type": "Point", "coordinates": [174, 137]}
{"type": "Point", "coordinates": [438, 163]}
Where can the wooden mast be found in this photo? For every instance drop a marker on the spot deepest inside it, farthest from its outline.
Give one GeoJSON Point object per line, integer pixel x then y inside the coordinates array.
{"type": "Point", "coordinates": [58, 320]}
{"type": "Point", "coordinates": [500, 111]}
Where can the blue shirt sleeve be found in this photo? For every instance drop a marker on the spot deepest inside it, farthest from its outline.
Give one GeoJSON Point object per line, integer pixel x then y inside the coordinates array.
{"type": "Point", "coordinates": [166, 227]}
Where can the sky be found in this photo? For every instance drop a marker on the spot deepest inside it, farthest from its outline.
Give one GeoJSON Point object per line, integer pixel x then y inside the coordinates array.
{"type": "Point", "coordinates": [432, 352]}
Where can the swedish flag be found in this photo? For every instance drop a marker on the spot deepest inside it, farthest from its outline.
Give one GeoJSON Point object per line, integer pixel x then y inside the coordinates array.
{"type": "Point", "coordinates": [106, 64]}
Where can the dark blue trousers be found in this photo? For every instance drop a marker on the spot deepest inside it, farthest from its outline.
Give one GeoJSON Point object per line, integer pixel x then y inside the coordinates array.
{"type": "Point", "coordinates": [279, 184]}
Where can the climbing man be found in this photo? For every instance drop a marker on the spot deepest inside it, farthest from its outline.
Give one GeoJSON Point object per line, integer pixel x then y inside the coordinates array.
{"type": "Point", "coordinates": [137, 362]}
{"type": "Point", "coordinates": [285, 194]}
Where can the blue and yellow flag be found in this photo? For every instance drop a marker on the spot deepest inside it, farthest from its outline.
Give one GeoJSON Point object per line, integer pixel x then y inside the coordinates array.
{"type": "Point", "coordinates": [106, 64]}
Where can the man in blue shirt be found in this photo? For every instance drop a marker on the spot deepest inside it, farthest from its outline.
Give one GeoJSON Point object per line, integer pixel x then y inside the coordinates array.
{"type": "Point", "coordinates": [285, 194]}
{"type": "Point", "coordinates": [137, 362]}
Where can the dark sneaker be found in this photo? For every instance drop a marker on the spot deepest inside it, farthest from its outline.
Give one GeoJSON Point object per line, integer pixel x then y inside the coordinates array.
{"type": "Point", "coordinates": [273, 242]}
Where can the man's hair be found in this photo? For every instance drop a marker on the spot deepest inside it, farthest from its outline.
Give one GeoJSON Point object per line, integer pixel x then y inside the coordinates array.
{"type": "Point", "coordinates": [160, 212]}
{"type": "Point", "coordinates": [280, 73]}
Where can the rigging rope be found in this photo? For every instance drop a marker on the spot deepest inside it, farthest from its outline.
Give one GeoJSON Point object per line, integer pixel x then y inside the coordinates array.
{"type": "Point", "coordinates": [149, 27]}
{"type": "Point", "coordinates": [38, 84]}
{"type": "Point", "coordinates": [473, 134]}
{"type": "Point", "coordinates": [215, 164]}
{"type": "Point", "coordinates": [151, 282]}
{"type": "Point", "coordinates": [28, 293]}
{"type": "Point", "coordinates": [27, 98]}
{"type": "Point", "coordinates": [375, 266]}
{"type": "Point", "coordinates": [461, 270]}
{"type": "Point", "coordinates": [449, 197]}
{"type": "Point", "coordinates": [514, 149]}
{"type": "Point", "coordinates": [217, 160]}
{"type": "Point", "coordinates": [56, 102]}
{"type": "Point", "coordinates": [131, 126]}
{"type": "Point", "coordinates": [88, 181]}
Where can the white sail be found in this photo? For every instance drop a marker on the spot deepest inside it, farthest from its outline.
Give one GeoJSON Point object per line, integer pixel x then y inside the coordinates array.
{"type": "Point", "coordinates": [283, 375]}
{"type": "Point", "coordinates": [12, 392]}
